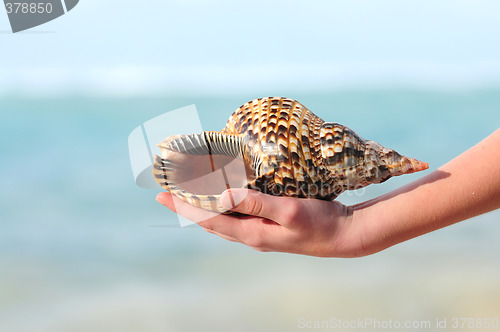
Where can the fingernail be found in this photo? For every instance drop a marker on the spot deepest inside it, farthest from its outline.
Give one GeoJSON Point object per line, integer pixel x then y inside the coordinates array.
{"type": "Point", "coordinates": [230, 199]}
{"type": "Point", "coordinates": [160, 199]}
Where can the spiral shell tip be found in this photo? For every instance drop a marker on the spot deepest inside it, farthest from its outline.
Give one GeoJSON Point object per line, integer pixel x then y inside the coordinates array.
{"type": "Point", "coordinates": [418, 165]}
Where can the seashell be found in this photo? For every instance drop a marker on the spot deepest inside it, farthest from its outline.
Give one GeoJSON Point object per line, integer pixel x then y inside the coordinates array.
{"type": "Point", "coordinates": [277, 146]}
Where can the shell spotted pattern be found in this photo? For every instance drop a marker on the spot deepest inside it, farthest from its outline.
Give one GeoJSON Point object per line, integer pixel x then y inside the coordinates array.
{"type": "Point", "coordinates": [288, 151]}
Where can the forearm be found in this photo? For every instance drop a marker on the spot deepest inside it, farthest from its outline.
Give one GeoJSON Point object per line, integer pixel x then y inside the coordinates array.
{"type": "Point", "coordinates": [467, 186]}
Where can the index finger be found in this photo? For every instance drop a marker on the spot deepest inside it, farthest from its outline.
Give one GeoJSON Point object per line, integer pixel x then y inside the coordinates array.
{"type": "Point", "coordinates": [245, 229]}
{"type": "Point", "coordinates": [184, 209]}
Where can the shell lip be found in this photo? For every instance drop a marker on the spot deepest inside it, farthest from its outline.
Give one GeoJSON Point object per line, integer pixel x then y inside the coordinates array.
{"type": "Point", "coordinates": [202, 164]}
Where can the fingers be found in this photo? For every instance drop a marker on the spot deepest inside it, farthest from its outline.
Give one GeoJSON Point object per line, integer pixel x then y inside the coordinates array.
{"type": "Point", "coordinates": [232, 228]}
{"type": "Point", "coordinates": [165, 198]}
{"type": "Point", "coordinates": [184, 209]}
{"type": "Point", "coordinates": [256, 228]}
{"type": "Point", "coordinates": [225, 237]}
{"type": "Point", "coordinates": [244, 201]}
{"type": "Point", "coordinates": [280, 210]}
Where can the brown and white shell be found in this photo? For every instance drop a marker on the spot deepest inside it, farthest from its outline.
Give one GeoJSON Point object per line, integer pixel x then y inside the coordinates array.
{"type": "Point", "coordinates": [277, 146]}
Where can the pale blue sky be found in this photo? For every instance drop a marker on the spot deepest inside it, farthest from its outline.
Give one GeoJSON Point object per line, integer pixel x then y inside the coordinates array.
{"type": "Point", "coordinates": [129, 47]}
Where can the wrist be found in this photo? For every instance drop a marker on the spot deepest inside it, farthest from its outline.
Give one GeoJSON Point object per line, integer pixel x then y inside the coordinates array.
{"type": "Point", "coordinates": [369, 228]}
{"type": "Point", "coordinates": [353, 236]}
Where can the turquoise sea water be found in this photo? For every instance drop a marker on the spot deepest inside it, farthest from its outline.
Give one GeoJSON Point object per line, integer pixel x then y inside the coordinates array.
{"type": "Point", "coordinates": [84, 249]}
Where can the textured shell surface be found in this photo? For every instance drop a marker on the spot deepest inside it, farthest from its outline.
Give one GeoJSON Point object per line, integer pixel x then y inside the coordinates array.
{"type": "Point", "coordinates": [277, 146]}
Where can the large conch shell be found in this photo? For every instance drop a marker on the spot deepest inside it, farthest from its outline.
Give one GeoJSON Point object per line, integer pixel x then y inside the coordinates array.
{"type": "Point", "coordinates": [279, 147]}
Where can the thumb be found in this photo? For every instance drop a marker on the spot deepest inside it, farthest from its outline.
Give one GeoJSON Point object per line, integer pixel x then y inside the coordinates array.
{"type": "Point", "coordinates": [251, 202]}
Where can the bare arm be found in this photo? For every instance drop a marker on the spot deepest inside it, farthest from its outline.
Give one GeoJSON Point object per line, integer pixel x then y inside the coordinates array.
{"type": "Point", "coordinates": [467, 186]}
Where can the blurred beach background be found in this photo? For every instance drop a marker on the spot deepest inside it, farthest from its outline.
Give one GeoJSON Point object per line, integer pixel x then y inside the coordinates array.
{"type": "Point", "coordinates": [82, 248]}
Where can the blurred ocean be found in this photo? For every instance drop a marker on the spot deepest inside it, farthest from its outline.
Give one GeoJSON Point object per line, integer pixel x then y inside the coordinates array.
{"type": "Point", "coordinates": [82, 248]}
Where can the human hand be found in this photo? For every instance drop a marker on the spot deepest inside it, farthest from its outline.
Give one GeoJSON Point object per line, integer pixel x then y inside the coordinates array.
{"type": "Point", "coordinates": [467, 186]}
{"type": "Point", "coordinates": [284, 224]}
